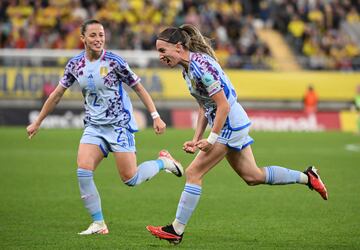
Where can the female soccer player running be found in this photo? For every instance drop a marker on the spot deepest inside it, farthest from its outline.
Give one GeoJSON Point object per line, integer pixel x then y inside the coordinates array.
{"type": "Point", "coordinates": [109, 120]}
{"type": "Point", "coordinates": [229, 136]}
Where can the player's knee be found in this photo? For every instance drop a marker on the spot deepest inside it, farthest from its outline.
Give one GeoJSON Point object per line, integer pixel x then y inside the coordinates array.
{"type": "Point", "coordinates": [82, 163]}
{"type": "Point", "coordinates": [252, 180]}
{"type": "Point", "coordinates": [86, 163]}
{"type": "Point", "coordinates": [129, 179]}
{"type": "Point", "coordinates": [86, 166]}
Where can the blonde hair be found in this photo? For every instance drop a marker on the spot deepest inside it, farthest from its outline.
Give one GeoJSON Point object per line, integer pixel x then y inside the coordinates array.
{"type": "Point", "coordinates": [190, 37]}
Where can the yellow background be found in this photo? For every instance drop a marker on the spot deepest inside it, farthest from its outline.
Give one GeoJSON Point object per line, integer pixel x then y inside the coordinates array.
{"type": "Point", "coordinates": [251, 85]}
{"type": "Point", "coordinates": [274, 85]}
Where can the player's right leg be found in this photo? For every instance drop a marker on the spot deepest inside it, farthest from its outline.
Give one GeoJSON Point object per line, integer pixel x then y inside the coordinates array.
{"type": "Point", "coordinates": [89, 156]}
{"type": "Point", "coordinates": [189, 199]}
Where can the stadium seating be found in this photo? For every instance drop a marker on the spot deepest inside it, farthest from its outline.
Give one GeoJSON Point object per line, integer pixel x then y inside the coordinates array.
{"type": "Point", "coordinates": [322, 34]}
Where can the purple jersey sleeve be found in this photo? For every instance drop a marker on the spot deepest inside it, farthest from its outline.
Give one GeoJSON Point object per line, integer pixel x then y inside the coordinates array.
{"type": "Point", "coordinates": [206, 74]}
{"type": "Point", "coordinates": [127, 75]}
{"type": "Point", "coordinates": [68, 78]}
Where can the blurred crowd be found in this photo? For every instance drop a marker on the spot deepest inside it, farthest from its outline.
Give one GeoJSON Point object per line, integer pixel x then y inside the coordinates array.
{"type": "Point", "coordinates": [311, 26]}
{"type": "Point", "coordinates": [133, 24]}
{"type": "Point", "coordinates": [316, 30]}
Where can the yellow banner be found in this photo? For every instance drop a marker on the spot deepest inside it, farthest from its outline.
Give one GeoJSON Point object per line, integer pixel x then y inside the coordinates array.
{"type": "Point", "coordinates": [28, 82]}
{"type": "Point", "coordinates": [350, 121]}
{"type": "Point", "coordinates": [169, 84]}
{"type": "Point", "coordinates": [292, 85]}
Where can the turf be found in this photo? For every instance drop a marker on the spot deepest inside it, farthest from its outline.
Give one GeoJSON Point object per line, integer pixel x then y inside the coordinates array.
{"type": "Point", "coordinates": [40, 206]}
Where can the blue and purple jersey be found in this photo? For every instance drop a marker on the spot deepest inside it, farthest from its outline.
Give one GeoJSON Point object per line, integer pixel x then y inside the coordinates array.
{"type": "Point", "coordinates": [101, 82]}
{"type": "Point", "coordinates": [205, 78]}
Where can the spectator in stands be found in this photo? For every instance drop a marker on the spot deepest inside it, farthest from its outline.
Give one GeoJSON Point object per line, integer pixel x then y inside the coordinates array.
{"type": "Point", "coordinates": [353, 16]}
{"type": "Point", "coordinates": [310, 101]}
{"type": "Point", "coordinates": [109, 120]}
{"type": "Point", "coordinates": [324, 42]}
{"type": "Point", "coordinates": [229, 137]}
{"type": "Point", "coordinates": [52, 24]}
{"type": "Point", "coordinates": [21, 40]}
{"type": "Point", "coordinates": [296, 28]}
{"type": "Point", "coordinates": [265, 14]}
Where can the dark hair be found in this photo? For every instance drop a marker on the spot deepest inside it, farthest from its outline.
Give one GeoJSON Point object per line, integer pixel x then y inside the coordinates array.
{"type": "Point", "coordinates": [86, 23]}
{"type": "Point", "coordinates": [189, 37]}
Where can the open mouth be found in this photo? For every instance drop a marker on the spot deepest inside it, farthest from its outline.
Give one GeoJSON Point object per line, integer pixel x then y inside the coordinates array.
{"type": "Point", "coordinates": [165, 60]}
{"type": "Point", "coordinates": [97, 45]}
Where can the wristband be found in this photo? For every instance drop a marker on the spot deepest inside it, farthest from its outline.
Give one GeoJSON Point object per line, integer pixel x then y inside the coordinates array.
{"type": "Point", "coordinates": [154, 115]}
{"type": "Point", "coordinates": [212, 138]}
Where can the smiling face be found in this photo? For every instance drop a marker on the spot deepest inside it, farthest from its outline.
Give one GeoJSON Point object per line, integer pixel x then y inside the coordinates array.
{"type": "Point", "coordinates": [169, 54]}
{"type": "Point", "coordinates": [94, 38]}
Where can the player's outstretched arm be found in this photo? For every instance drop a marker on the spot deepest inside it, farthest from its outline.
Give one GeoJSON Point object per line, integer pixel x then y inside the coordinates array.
{"type": "Point", "coordinates": [49, 105]}
{"type": "Point", "coordinates": [158, 124]}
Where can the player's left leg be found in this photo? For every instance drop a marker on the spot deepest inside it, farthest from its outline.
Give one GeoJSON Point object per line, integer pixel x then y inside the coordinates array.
{"type": "Point", "coordinates": [122, 143]}
{"type": "Point", "coordinates": [244, 164]}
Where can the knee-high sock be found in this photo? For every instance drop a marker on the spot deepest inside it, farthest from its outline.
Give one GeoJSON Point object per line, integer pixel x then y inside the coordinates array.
{"type": "Point", "coordinates": [188, 202]}
{"type": "Point", "coordinates": [276, 175]}
{"type": "Point", "coordinates": [145, 171]}
{"type": "Point", "coordinates": [89, 194]}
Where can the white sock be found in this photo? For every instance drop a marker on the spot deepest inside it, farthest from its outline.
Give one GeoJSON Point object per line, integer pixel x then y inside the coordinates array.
{"type": "Point", "coordinates": [178, 227]}
{"type": "Point", "coordinates": [304, 179]}
{"type": "Point", "coordinates": [187, 204]}
{"type": "Point", "coordinates": [276, 175]}
{"type": "Point", "coordinates": [145, 171]}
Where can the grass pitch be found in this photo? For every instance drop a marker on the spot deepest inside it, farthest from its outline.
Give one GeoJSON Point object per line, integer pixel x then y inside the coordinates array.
{"type": "Point", "coordinates": [40, 206]}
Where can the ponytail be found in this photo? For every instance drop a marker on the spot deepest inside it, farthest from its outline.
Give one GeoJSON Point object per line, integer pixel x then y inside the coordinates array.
{"type": "Point", "coordinates": [190, 38]}
{"type": "Point", "coordinates": [195, 41]}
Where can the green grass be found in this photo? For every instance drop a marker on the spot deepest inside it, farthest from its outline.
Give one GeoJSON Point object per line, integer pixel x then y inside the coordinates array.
{"type": "Point", "coordinates": [40, 206]}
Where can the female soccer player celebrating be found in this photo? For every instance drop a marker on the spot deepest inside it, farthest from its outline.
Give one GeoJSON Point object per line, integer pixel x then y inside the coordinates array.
{"type": "Point", "coordinates": [109, 120]}
{"type": "Point", "coordinates": [229, 136]}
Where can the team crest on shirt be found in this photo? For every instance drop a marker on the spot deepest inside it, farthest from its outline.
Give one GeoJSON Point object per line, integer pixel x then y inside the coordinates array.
{"type": "Point", "coordinates": [104, 71]}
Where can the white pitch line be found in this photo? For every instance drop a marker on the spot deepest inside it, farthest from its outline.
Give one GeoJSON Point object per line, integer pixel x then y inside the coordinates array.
{"type": "Point", "coordinates": [353, 147]}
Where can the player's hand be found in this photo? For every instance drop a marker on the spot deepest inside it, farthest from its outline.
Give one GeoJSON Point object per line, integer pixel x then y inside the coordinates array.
{"type": "Point", "coordinates": [159, 126]}
{"type": "Point", "coordinates": [189, 147]}
{"type": "Point", "coordinates": [32, 129]}
{"type": "Point", "coordinates": [204, 145]}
